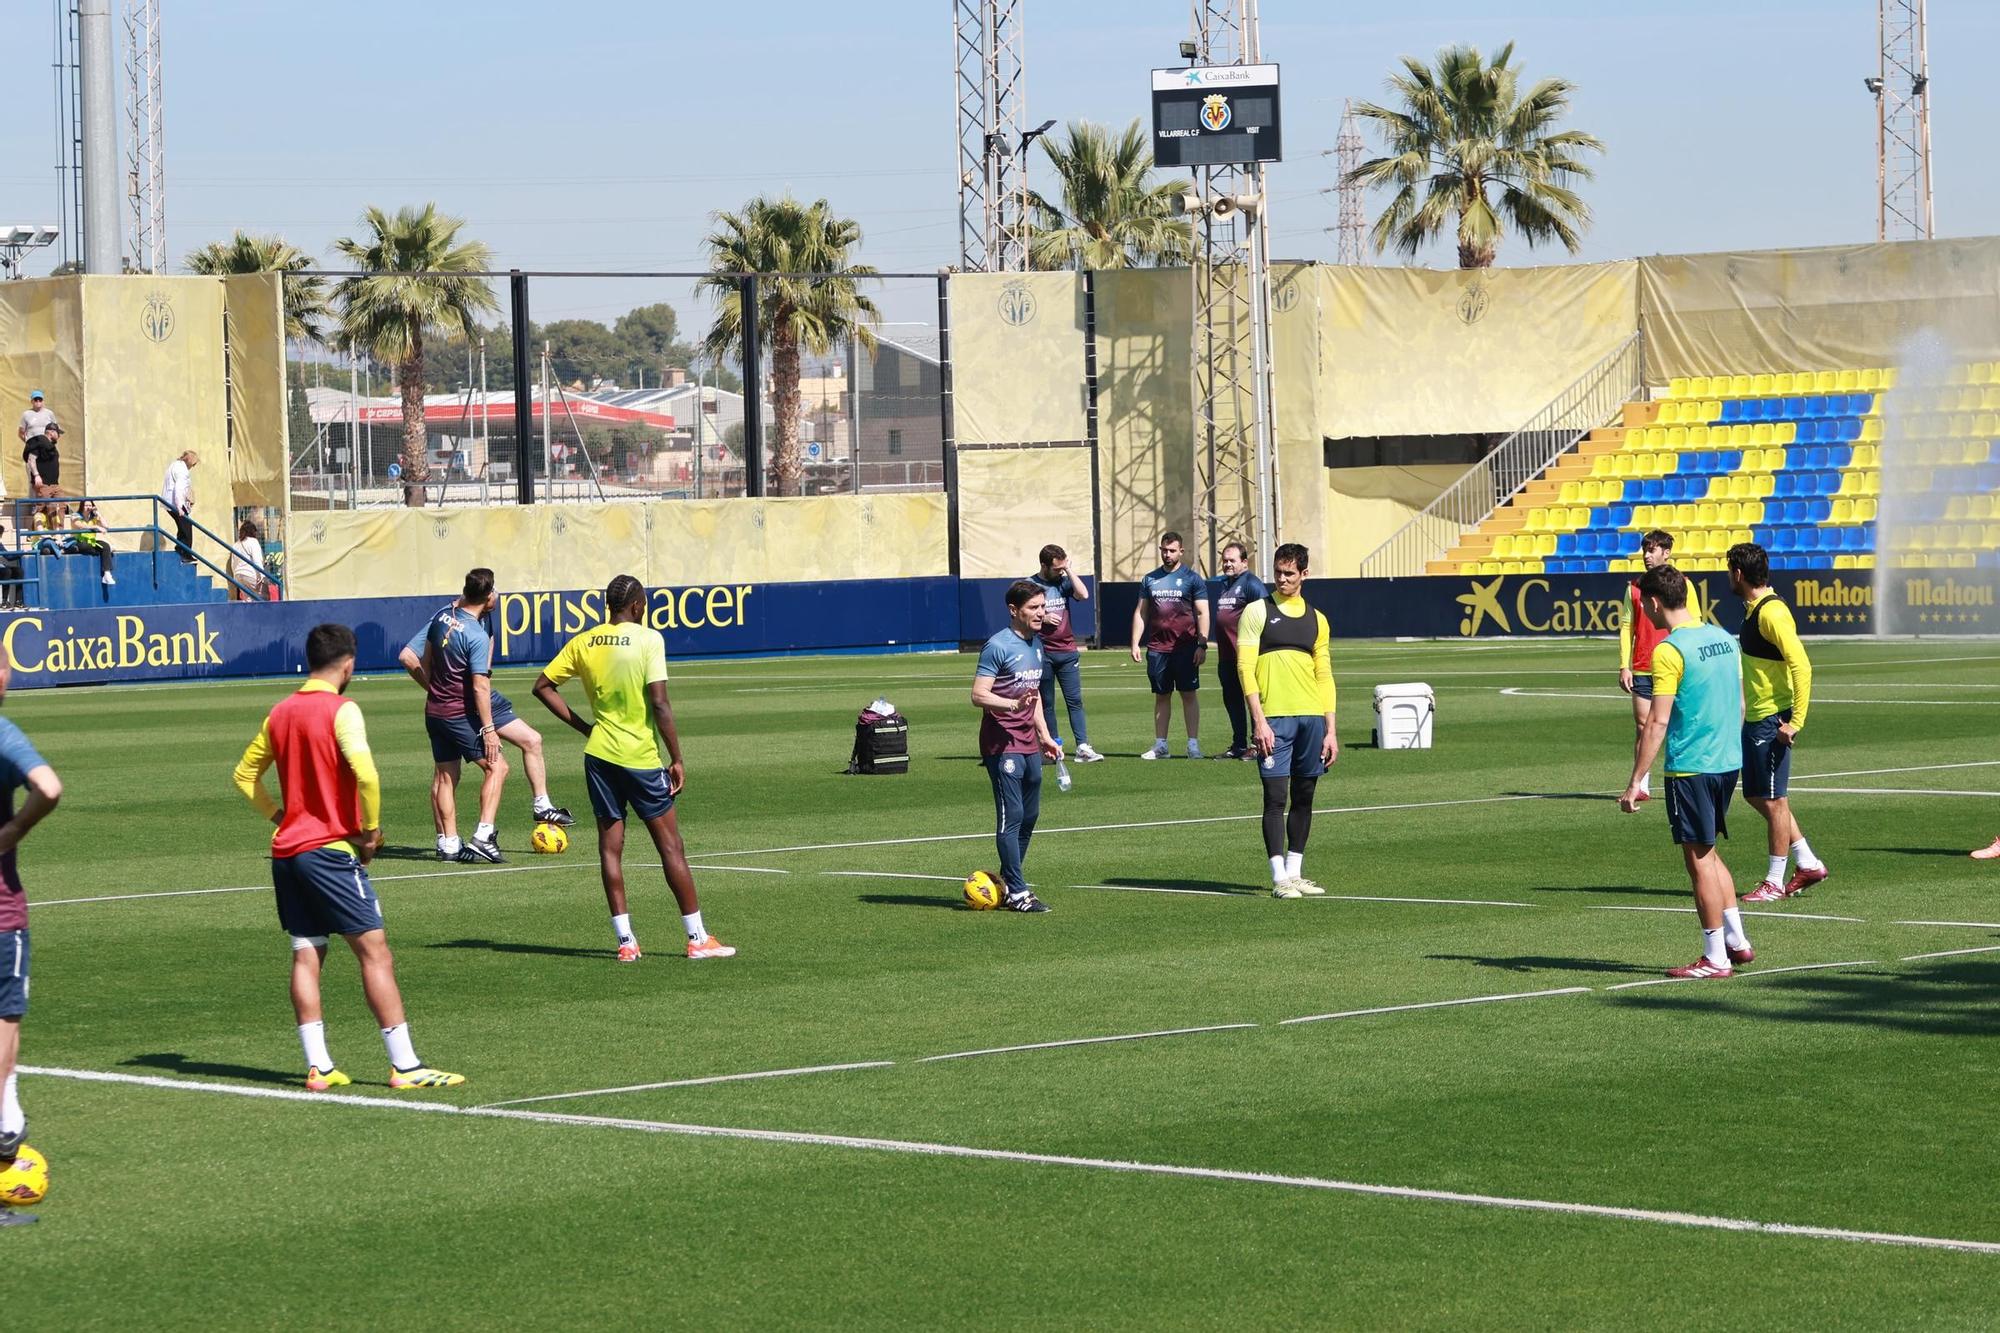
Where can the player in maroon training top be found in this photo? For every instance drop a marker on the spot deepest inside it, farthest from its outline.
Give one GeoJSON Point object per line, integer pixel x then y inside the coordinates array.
{"type": "Point", "coordinates": [1062, 659]}
{"type": "Point", "coordinates": [1170, 634]}
{"type": "Point", "coordinates": [20, 766]}
{"type": "Point", "coordinates": [1240, 588]}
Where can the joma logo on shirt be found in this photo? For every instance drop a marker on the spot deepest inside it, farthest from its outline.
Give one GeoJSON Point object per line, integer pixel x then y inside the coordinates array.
{"type": "Point", "coordinates": [132, 646]}
{"type": "Point", "coordinates": [1709, 650]}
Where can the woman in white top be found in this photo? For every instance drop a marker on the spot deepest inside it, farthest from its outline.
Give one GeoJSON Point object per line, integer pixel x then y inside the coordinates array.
{"type": "Point", "coordinates": [246, 563]}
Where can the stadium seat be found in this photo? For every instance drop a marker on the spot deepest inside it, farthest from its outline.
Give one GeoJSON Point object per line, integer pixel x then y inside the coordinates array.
{"type": "Point", "coordinates": [1711, 409]}
{"type": "Point", "coordinates": [1847, 381]}
{"type": "Point", "coordinates": [1760, 384]}
{"type": "Point", "coordinates": [1739, 435]}
{"type": "Point", "coordinates": [1818, 511]}
{"type": "Point", "coordinates": [1871, 429]}
{"type": "Point", "coordinates": [1739, 386]}
{"type": "Point", "coordinates": [1868, 380]}
{"type": "Point", "coordinates": [1566, 545]}
{"type": "Point", "coordinates": [1698, 386]}
{"type": "Point", "coordinates": [1652, 490]}
{"type": "Point", "coordinates": [1784, 432]}
{"type": "Point", "coordinates": [1656, 437]}
{"type": "Point", "coordinates": [1850, 429]}
{"type": "Point", "coordinates": [1697, 437]}
{"type": "Point", "coordinates": [1843, 511]}
{"type": "Point", "coordinates": [1785, 539]}
{"type": "Point", "coordinates": [1538, 521]}
{"type": "Point", "coordinates": [1545, 545]}
{"type": "Point", "coordinates": [1729, 513]}
{"type": "Point", "coordinates": [1677, 387]}
{"type": "Point", "coordinates": [1677, 438]}
{"type": "Point", "coordinates": [1760, 434]}
{"type": "Point", "coordinates": [1601, 465]}
{"type": "Point", "coordinates": [1782, 383]}
{"type": "Point", "coordinates": [1815, 407]}
{"type": "Point", "coordinates": [1572, 493]}
{"type": "Point", "coordinates": [1786, 485]}
{"type": "Point", "coordinates": [1793, 409]}
{"type": "Point", "coordinates": [1621, 465]}
{"type": "Point", "coordinates": [1825, 381]}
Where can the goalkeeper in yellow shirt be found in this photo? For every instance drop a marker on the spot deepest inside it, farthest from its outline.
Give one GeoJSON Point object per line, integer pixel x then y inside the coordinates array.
{"type": "Point", "coordinates": [1282, 658]}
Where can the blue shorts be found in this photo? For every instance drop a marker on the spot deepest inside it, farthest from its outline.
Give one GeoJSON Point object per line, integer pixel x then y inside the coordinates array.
{"type": "Point", "coordinates": [1296, 753]}
{"type": "Point", "coordinates": [1175, 670]}
{"type": "Point", "coordinates": [1767, 761]}
{"type": "Point", "coordinates": [612, 788]}
{"type": "Point", "coordinates": [1698, 807]}
{"type": "Point", "coordinates": [457, 738]}
{"type": "Point", "coordinates": [1642, 684]}
{"type": "Point", "coordinates": [325, 892]}
{"type": "Point", "coordinates": [13, 973]}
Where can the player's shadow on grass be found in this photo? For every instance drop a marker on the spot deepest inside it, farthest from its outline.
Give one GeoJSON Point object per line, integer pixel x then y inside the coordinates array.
{"type": "Point", "coordinates": [406, 854]}
{"type": "Point", "coordinates": [1947, 999]}
{"type": "Point", "coordinates": [1917, 851]}
{"type": "Point", "coordinates": [1192, 885]}
{"type": "Point", "coordinates": [1566, 795]}
{"type": "Point", "coordinates": [175, 1062]}
{"type": "Point", "coordinates": [1638, 889]}
{"type": "Point", "coordinates": [912, 900]}
{"type": "Point", "coordinates": [1539, 963]}
{"type": "Point", "coordinates": [510, 946]}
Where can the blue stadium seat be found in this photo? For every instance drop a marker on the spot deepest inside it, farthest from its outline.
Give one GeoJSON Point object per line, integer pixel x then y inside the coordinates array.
{"type": "Point", "coordinates": [1651, 490]}
{"type": "Point", "coordinates": [1765, 536]}
{"type": "Point", "coordinates": [1797, 512]}
{"type": "Point", "coordinates": [1673, 490]}
{"type": "Point", "coordinates": [1815, 407]}
{"type": "Point", "coordinates": [1787, 540]}
{"type": "Point", "coordinates": [1816, 457]}
{"type": "Point", "coordinates": [1794, 409]}
{"type": "Point", "coordinates": [1821, 561]}
{"type": "Point", "coordinates": [1732, 412]}
{"type": "Point", "coordinates": [1860, 404]}
{"type": "Point", "coordinates": [1731, 461]}
{"type": "Point", "coordinates": [1818, 511]}
{"type": "Point", "coordinates": [1850, 430]}
{"type": "Point", "coordinates": [1784, 486]}
{"type": "Point", "coordinates": [1851, 538]}
{"type": "Point", "coordinates": [1829, 481]}
{"type": "Point", "coordinates": [1621, 515]}
{"type": "Point", "coordinates": [1839, 455]}
{"type": "Point", "coordinates": [1600, 519]}
{"type": "Point", "coordinates": [1808, 432]}
{"type": "Point", "coordinates": [1566, 544]}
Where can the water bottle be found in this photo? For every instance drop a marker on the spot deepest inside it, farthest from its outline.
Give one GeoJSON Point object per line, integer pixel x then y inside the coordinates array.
{"type": "Point", "coordinates": [1062, 776]}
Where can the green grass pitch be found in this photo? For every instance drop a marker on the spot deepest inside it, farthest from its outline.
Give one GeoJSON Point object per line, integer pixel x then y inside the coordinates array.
{"type": "Point", "coordinates": [979, 1191]}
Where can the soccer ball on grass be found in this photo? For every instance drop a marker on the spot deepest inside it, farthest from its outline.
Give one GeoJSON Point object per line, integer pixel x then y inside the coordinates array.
{"type": "Point", "coordinates": [982, 891]}
{"type": "Point", "coordinates": [550, 838]}
{"type": "Point", "coordinates": [25, 1180]}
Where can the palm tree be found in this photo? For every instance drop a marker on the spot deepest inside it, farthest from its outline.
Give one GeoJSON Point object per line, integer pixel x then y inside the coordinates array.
{"type": "Point", "coordinates": [1110, 213]}
{"type": "Point", "coordinates": [811, 303]}
{"type": "Point", "coordinates": [414, 281]}
{"type": "Point", "coordinates": [305, 297]}
{"type": "Point", "coordinates": [1464, 130]}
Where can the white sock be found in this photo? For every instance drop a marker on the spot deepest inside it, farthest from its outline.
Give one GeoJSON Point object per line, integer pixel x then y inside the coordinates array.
{"type": "Point", "coordinates": [484, 833]}
{"type": "Point", "coordinates": [1159, 742]}
{"type": "Point", "coordinates": [1777, 875]}
{"type": "Point", "coordinates": [1732, 928]}
{"type": "Point", "coordinates": [450, 846]}
{"type": "Point", "coordinates": [12, 1118]}
{"type": "Point", "coordinates": [401, 1053]}
{"type": "Point", "coordinates": [312, 1038]}
{"type": "Point", "coordinates": [1802, 852]}
{"type": "Point", "coordinates": [1646, 783]}
{"type": "Point", "coordinates": [1713, 948]}
{"type": "Point", "coordinates": [621, 926]}
{"type": "Point", "coordinates": [696, 931]}
{"type": "Point", "coordinates": [1278, 873]}
{"type": "Point", "coordinates": [542, 802]}
{"type": "Point", "coordinates": [1295, 864]}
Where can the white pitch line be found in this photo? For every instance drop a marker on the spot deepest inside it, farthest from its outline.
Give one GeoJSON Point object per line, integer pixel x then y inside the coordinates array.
{"type": "Point", "coordinates": [1760, 972]}
{"type": "Point", "coordinates": [1950, 953]}
{"type": "Point", "coordinates": [1436, 1004]}
{"type": "Point", "coordinates": [1748, 911]}
{"type": "Point", "coordinates": [1083, 1041]}
{"type": "Point", "coordinates": [695, 1082]}
{"type": "Point", "coordinates": [266, 888]}
{"type": "Point", "coordinates": [744, 870]}
{"type": "Point", "coordinates": [1908, 768]}
{"type": "Point", "coordinates": [924, 1149]}
{"type": "Point", "coordinates": [1153, 888]}
{"type": "Point", "coordinates": [1890, 791]}
{"type": "Point", "coordinates": [1045, 830]}
{"type": "Point", "coordinates": [1517, 692]}
{"type": "Point", "coordinates": [1442, 902]}
{"type": "Point", "coordinates": [1969, 925]}
{"type": "Point", "coordinates": [882, 874]}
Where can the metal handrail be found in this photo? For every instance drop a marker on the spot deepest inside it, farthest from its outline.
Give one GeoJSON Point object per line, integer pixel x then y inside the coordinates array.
{"type": "Point", "coordinates": [25, 503]}
{"type": "Point", "coordinates": [1592, 400]}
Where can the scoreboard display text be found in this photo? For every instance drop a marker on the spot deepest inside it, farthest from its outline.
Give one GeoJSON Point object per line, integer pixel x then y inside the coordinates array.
{"type": "Point", "coordinates": [1215, 116]}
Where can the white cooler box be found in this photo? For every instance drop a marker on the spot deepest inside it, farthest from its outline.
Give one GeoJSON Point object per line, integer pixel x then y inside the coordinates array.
{"type": "Point", "coordinates": [1403, 716]}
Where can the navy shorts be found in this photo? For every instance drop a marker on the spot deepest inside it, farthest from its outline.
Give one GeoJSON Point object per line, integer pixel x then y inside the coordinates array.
{"type": "Point", "coordinates": [1767, 761]}
{"type": "Point", "coordinates": [1175, 670]}
{"type": "Point", "coordinates": [457, 738]}
{"type": "Point", "coordinates": [1296, 753]}
{"type": "Point", "coordinates": [13, 973]}
{"type": "Point", "coordinates": [325, 892]}
{"type": "Point", "coordinates": [1642, 684]}
{"type": "Point", "coordinates": [1698, 807]}
{"type": "Point", "coordinates": [612, 788]}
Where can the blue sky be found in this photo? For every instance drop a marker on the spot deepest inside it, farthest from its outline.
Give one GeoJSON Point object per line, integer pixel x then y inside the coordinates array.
{"type": "Point", "coordinates": [606, 145]}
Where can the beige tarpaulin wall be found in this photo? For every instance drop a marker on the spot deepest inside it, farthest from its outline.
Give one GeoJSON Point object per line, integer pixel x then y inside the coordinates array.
{"type": "Point", "coordinates": [152, 366]}
{"type": "Point", "coordinates": [1017, 374]}
{"type": "Point", "coordinates": [1145, 321]}
{"type": "Point", "coordinates": [411, 552]}
{"type": "Point", "coordinates": [1365, 506]}
{"type": "Point", "coordinates": [259, 466]}
{"type": "Point", "coordinates": [41, 347]}
{"type": "Point", "coordinates": [1297, 305]}
{"type": "Point", "coordinates": [1421, 352]}
{"type": "Point", "coordinates": [1845, 307]}
{"type": "Point", "coordinates": [1012, 502]}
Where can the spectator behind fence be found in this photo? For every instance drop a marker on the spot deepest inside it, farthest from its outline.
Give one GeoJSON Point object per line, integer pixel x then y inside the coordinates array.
{"type": "Point", "coordinates": [44, 462]}
{"type": "Point", "coordinates": [88, 537]}
{"type": "Point", "coordinates": [246, 564]}
{"type": "Point", "coordinates": [177, 493]}
{"type": "Point", "coordinates": [35, 423]}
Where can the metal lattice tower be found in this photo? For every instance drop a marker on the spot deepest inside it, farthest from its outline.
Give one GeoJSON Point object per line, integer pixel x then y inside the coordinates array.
{"type": "Point", "coordinates": [1235, 482]}
{"type": "Point", "coordinates": [1901, 85]}
{"type": "Point", "coordinates": [1351, 231]}
{"type": "Point", "coordinates": [68, 66]}
{"type": "Point", "coordinates": [146, 189]}
{"type": "Point", "coordinates": [992, 93]}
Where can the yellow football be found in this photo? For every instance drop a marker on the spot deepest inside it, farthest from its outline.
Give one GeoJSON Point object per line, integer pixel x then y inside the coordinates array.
{"type": "Point", "coordinates": [982, 891]}
{"type": "Point", "coordinates": [25, 1180]}
{"type": "Point", "coordinates": [550, 838]}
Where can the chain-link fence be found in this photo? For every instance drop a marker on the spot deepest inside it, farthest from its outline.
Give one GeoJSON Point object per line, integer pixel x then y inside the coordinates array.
{"type": "Point", "coordinates": [622, 391]}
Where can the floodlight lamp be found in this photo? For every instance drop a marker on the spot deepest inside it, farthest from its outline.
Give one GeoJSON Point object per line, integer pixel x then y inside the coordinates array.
{"type": "Point", "coordinates": [46, 233]}
{"type": "Point", "coordinates": [1873, 85]}
{"type": "Point", "coordinates": [1189, 50]}
{"type": "Point", "coordinates": [16, 235]}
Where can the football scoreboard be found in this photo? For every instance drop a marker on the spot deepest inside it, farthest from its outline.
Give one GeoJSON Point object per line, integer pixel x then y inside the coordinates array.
{"type": "Point", "coordinates": [1215, 116]}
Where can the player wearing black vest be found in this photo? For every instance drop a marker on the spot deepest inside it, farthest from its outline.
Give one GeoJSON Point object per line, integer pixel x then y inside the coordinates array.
{"type": "Point", "coordinates": [1287, 674]}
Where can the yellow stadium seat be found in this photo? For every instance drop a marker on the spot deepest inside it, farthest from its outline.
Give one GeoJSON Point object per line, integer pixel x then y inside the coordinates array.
{"type": "Point", "coordinates": [1760, 385]}
{"type": "Point", "coordinates": [1729, 513]}
{"type": "Point", "coordinates": [1752, 512]}
{"type": "Point", "coordinates": [1760, 434]}
{"type": "Point", "coordinates": [1711, 408]}
{"type": "Point", "coordinates": [1868, 381]}
{"type": "Point", "coordinates": [1718, 489]}
{"type": "Point", "coordinates": [1843, 510]}
{"type": "Point", "coordinates": [1976, 451]}
{"type": "Point", "coordinates": [1510, 567]}
{"type": "Point", "coordinates": [1697, 437]}
{"type": "Point", "coordinates": [1645, 465]}
{"type": "Point", "coordinates": [1982, 372]}
{"type": "Point", "coordinates": [1890, 375]}
{"type": "Point", "coordinates": [1781, 384]}
{"type": "Point", "coordinates": [1850, 484]}
{"type": "Point", "coordinates": [1983, 507]}
{"type": "Point", "coordinates": [1677, 438]}
{"type": "Point", "coordinates": [1843, 562]}
{"type": "Point", "coordinates": [1670, 411]}
{"type": "Point", "coordinates": [1986, 425]}
{"type": "Point", "coordinates": [1489, 566]}
{"type": "Point", "coordinates": [1579, 517]}
{"type": "Point", "coordinates": [1739, 386]}
{"type": "Point", "coordinates": [1784, 432]}
{"type": "Point", "coordinates": [1741, 535]}
{"type": "Point", "coordinates": [1698, 386]}
{"type": "Point", "coordinates": [1989, 536]}
{"type": "Point", "coordinates": [1677, 387]}
{"type": "Point", "coordinates": [1656, 437]}
{"type": "Point", "coordinates": [1739, 487]}
{"type": "Point", "coordinates": [1587, 492]}
{"type": "Point", "coordinates": [1955, 508]}
{"type": "Point", "coordinates": [1538, 521]}
{"type": "Point", "coordinates": [1846, 381]}
{"type": "Point", "coordinates": [1708, 513]}
{"type": "Point", "coordinates": [1600, 466]}
{"type": "Point", "coordinates": [1826, 381]}
{"type": "Point", "coordinates": [1739, 436]}
{"type": "Point", "coordinates": [1572, 493]}
{"type": "Point", "coordinates": [1866, 455]}
{"type": "Point", "coordinates": [1545, 545]}
{"type": "Point", "coordinates": [1621, 465]}
{"type": "Point", "coordinates": [1684, 515]}
{"type": "Point", "coordinates": [1763, 485]}
{"type": "Point", "coordinates": [1871, 429]}
{"type": "Point", "coordinates": [1958, 374]}
{"type": "Point", "coordinates": [1864, 510]}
